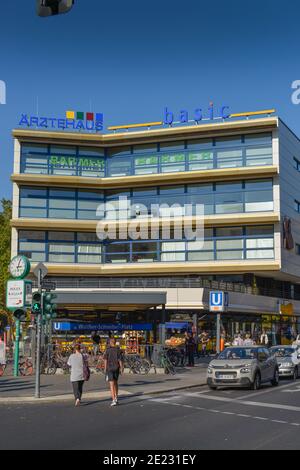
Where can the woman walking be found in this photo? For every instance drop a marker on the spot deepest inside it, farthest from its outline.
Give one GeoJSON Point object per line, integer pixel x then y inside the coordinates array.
{"type": "Point", "coordinates": [79, 372]}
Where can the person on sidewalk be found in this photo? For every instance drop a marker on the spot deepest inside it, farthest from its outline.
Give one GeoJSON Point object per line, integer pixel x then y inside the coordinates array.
{"type": "Point", "coordinates": [113, 365]}
{"type": "Point", "coordinates": [77, 362]}
{"type": "Point", "coordinates": [191, 350]}
{"type": "Point", "coordinates": [264, 339]}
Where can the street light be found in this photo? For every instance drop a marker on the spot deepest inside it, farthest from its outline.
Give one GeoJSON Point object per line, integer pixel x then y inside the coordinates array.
{"type": "Point", "coordinates": [53, 7]}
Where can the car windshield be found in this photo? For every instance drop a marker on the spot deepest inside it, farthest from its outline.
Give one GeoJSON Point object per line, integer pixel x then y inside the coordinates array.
{"type": "Point", "coordinates": [282, 352]}
{"type": "Point", "coordinates": [238, 353]}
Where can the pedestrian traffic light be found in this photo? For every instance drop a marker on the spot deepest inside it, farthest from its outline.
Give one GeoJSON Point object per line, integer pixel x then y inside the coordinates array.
{"type": "Point", "coordinates": [53, 7]}
{"type": "Point", "coordinates": [36, 306]}
{"type": "Point", "coordinates": [20, 314]}
{"type": "Point", "coordinates": [49, 307]}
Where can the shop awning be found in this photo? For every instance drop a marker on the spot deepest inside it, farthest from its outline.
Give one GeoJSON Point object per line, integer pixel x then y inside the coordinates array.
{"type": "Point", "coordinates": [110, 300]}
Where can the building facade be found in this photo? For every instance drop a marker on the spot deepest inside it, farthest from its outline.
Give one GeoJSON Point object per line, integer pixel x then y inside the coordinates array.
{"type": "Point", "coordinates": [243, 172]}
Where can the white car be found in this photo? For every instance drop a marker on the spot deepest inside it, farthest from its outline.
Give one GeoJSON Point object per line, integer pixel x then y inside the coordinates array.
{"type": "Point", "coordinates": [288, 360]}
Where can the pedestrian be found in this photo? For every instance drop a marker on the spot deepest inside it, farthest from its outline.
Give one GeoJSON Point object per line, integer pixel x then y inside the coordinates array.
{"type": "Point", "coordinates": [238, 340]}
{"type": "Point", "coordinates": [248, 341]}
{"type": "Point", "coordinates": [204, 343]}
{"type": "Point", "coordinates": [95, 337]}
{"type": "Point", "coordinates": [79, 372]}
{"type": "Point", "coordinates": [113, 366]}
{"type": "Point", "coordinates": [264, 338]}
{"type": "Point", "coordinates": [191, 350]}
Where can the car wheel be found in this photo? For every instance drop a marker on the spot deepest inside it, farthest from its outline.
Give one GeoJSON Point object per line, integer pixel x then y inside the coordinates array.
{"type": "Point", "coordinates": [256, 382]}
{"type": "Point", "coordinates": [275, 380]}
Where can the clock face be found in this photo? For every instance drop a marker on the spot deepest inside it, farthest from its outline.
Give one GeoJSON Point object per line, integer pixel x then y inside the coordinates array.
{"type": "Point", "coordinates": [19, 267]}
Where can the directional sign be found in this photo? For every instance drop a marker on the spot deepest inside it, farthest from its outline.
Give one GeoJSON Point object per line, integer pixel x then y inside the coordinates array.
{"type": "Point", "coordinates": [40, 267]}
{"type": "Point", "coordinates": [218, 301]}
{"type": "Point", "coordinates": [18, 294]}
{"type": "Point", "coordinates": [48, 285]}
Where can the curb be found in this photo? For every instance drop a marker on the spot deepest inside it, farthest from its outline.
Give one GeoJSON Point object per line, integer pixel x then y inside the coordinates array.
{"type": "Point", "coordinates": [90, 395]}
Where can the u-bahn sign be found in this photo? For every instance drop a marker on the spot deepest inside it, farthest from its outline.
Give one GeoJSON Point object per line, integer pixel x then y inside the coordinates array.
{"type": "Point", "coordinates": [218, 301]}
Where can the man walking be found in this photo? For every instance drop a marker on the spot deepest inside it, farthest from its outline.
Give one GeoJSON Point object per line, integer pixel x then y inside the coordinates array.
{"type": "Point", "coordinates": [113, 365]}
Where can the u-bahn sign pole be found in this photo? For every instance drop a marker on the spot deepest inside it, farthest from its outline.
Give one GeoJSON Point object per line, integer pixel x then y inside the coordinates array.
{"type": "Point", "coordinates": [218, 302]}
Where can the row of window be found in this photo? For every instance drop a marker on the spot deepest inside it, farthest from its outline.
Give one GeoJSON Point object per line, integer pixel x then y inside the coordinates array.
{"type": "Point", "coordinates": [217, 198]}
{"type": "Point", "coordinates": [226, 243]}
{"type": "Point", "coordinates": [203, 154]}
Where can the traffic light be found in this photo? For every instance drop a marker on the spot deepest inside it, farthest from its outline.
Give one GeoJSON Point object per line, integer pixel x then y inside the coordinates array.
{"type": "Point", "coordinates": [36, 306]}
{"type": "Point", "coordinates": [20, 314]}
{"type": "Point", "coordinates": [49, 307]}
{"type": "Point", "coordinates": [53, 7]}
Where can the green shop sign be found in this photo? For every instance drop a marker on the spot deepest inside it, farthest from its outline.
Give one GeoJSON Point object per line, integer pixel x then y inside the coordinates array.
{"type": "Point", "coordinates": [73, 162]}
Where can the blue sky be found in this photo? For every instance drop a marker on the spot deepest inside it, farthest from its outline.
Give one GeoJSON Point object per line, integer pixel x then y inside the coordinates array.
{"type": "Point", "coordinates": [131, 59]}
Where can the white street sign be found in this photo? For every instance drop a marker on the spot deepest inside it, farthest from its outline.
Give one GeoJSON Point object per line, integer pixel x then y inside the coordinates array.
{"type": "Point", "coordinates": [18, 294]}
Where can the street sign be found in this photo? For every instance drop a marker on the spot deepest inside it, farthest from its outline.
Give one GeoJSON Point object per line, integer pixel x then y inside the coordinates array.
{"type": "Point", "coordinates": [40, 267]}
{"type": "Point", "coordinates": [48, 285]}
{"type": "Point", "coordinates": [218, 301]}
{"type": "Point", "coordinates": [18, 294]}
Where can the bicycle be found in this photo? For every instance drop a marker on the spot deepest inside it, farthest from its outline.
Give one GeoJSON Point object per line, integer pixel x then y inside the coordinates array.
{"type": "Point", "coordinates": [25, 367]}
{"type": "Point", "coordinates": [166, 363]}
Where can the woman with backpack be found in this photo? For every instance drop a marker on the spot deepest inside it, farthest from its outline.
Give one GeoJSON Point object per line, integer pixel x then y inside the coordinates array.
{"type": "Point", "coordinates": [79, 372]}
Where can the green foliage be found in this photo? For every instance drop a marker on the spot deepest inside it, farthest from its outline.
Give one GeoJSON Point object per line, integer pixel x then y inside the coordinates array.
{"type": "Point", "coordinates": [5, 240]}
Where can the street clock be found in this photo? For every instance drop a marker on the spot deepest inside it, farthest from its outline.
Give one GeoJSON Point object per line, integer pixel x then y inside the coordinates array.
{"type": "Point", "coordinates": [19, 267]}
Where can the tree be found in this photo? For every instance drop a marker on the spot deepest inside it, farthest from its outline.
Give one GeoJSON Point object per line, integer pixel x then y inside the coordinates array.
{"type": "Point", "coordinates": [5, 240]}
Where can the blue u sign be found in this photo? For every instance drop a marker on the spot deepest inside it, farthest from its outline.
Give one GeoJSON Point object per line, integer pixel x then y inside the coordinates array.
{"type": "Point", "coordinates": [218, 300]}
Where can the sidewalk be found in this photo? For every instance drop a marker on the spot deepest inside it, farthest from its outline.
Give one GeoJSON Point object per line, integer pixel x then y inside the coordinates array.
{"type": "Point", "coordinates": [58, 387]}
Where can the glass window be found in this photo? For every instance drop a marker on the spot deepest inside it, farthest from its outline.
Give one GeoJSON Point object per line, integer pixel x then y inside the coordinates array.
{"type": "Point", "coordinates": [229, 159]}
{"type": "Point", "coordinates": [87, 237]}
{"type": "Point", "coordinates": [230, 244]}
{"type": "Point", "coordinates": [91, 151]}
{"type": "Point", "coordinates": [34, 256]}
{"type": "Point", "coordinates": [33, 193]}
{"type": "Point", "coordinates": [34, 148]}
{"type": "Point", "coordinates": [228, 141]}
{"type": "Point", "coordinates": [59, 213]}
{"type": "Point", "coordinates": [90, 195]}
{"type": "Point", "coordinates": [118, 248]}
{"type": "Point", "coordinates": [260, 230]}
{"type": "Point", "coordinates": [144, 257]}
{"type": "Point", "coordinates": [32, 246]}
{"type": "Point", "coordinates": [259, 184]}
{"type": "Point", "coordinates": [61, 248]}
{"type": "Point", "coordinates": [172, 162]}
{"type": "Point", "coordinates": [200, 256]}
{"type": "Point", "coordinates": [223, 255]}
{"type": "Point", "coordinates": [89, 205]}
{"type": "Point", "coordinates": [200, 245]}
{"type": "Point", "coordinates": [119, 167]}
{"type": "Point", "coordinates": [172, 257]}
{"type": "Point", "coordinates": [89, 259]}
{"type": "Point", "coordinates": [229, 202]}
{"type": "Point", "coordinates": [199, 188]}
{"type": "Point", "coordinates": [258, 139]}
{"type": "Point", "coordinates": [260, 243]}
{"type": "Point", "coordinates": [64, 236]}
{"type": "Point", "coordinates": [118, 258]}
{"type": "Point", "coordinates": [262, 254]}
{"type": "Point", "coordinates": [177, 145]}
{"type": "Point", "coordinates": [172, 246]}
{"type": "Point", "coordinates": [148, 246]}
{"type": "Point", "coordinates": [199, 144]}
{"type": "Point", "coordinates": [62, 203]}
{"type": "Point", "coordinates": [200, 160]}
{"type": "Point", "coordinates": [259, 156]}
{"type": "Point", "coordinates": [144, 192]}
{"type": "Point", "coordinates": [148, 148]}
{"type": "Point", "coordinates": [259, 201]}
{"type": "Point", "coordinates": [169, 190]}
{"type": "Point", "coordinates": [31, 235]}
{"type": "Point", "coordinates": [89, 249]}
{"type": "Point", "coordinates": [34, 213]}
{"type": "Point", "coordinates": [62, 150]}
{"type": "Point", "coordinates": [229, 232]}
{"type": "Point", "coordinates": [61, 258]}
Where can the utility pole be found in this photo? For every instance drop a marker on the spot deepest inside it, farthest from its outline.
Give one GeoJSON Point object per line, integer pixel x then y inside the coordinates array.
{"type": "Point", "coordinates": [38, 341]}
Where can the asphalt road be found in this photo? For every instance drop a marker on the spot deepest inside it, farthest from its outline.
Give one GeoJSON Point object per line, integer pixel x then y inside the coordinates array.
{"type": "Point", "coordinates": [189, 419]}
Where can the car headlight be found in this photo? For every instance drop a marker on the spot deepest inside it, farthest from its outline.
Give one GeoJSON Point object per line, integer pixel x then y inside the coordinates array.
{"type": "Point", "coordinates": [245, 370]}
{"type": "Point", "coordinates": [209, 370]}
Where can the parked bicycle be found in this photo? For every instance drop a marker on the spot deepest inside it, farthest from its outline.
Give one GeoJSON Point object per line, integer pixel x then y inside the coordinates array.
{"type": "Point", "coordinates": [25, 367]}
{"type": "Point", "coordinates": [166, 363]}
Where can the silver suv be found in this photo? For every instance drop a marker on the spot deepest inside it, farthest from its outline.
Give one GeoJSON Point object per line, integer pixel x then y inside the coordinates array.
{"type": "Point", "coordinates": [243, 366]}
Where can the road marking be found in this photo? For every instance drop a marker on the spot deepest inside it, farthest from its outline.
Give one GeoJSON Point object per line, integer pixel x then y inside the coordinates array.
{"type": "Point", "coordinates": [246, 402]}
{"type": "Point", "coordinates": [198, 408]}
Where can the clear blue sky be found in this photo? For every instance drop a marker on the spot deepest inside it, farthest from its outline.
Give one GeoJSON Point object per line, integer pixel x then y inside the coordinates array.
{"type": "Point", "coordinates": [131, 59]}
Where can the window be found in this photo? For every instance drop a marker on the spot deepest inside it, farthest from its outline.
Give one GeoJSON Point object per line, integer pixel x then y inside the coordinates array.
{"type": "Point", "coordinates": [229, 158]}
{"type": "Point", "coordinates": [296, 163]}
{"type": "Point", "coordinates": [297, 205]}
